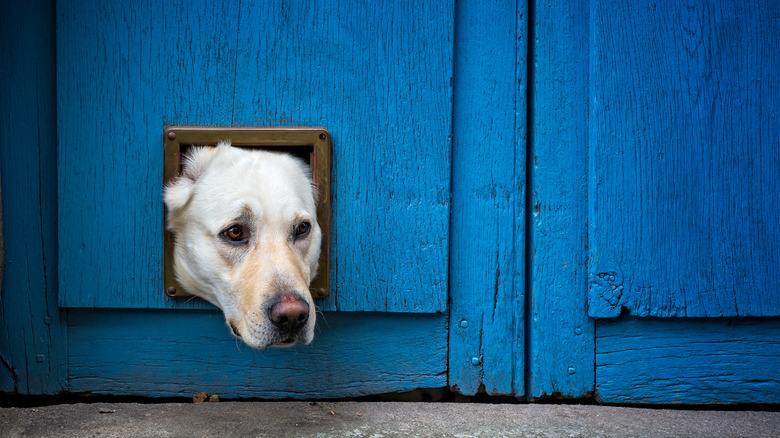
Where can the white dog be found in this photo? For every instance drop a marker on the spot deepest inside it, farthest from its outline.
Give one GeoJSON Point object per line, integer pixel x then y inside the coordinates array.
{"type": "Point", "coordinates": [246, 239]}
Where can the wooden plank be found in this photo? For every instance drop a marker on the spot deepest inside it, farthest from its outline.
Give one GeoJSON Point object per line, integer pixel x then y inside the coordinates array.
{"type": "Point", "coordinates": [560, 334]}
{"type": "Point", "coordinates": [688, 361]}
{"type": "Point", "coordinates": [487, 219]}
{"type": "Point", "coordinates": [376, 75]}
{"type": "Point", "coordinates": [32, 333]}
{"type": "Point", "coordinates": [158, 353]}
{"type": "Point", "coordinates": [684, 158]}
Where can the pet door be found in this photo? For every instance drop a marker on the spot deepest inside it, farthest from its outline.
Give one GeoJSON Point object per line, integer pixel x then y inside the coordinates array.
{"type": "Point", "coordinates": [312, 145]}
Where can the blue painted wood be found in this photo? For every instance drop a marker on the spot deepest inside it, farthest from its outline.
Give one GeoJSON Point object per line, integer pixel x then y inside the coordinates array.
{"type": "Point", "coordinates": [487, 219]}
{"type": "Point", "coordinates": [157, 353]}
{"type": "Point", "coordinates": [560, 334]}
{"type": "Point", "coordinates": [688, 361]}
{"type": "Point", "coordinates": [32, 334]}
{"type": "Point", "coordinates": [684, 156]}
{"type": "Point", "coordinates": [376, 75]}
{"type": "Point", "coordinates": [681, 125]}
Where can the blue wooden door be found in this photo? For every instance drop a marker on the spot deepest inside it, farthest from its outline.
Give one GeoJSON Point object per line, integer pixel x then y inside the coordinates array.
{"type": "Point", "coordinates": [653, 201]}
{"type": "Point", "coordinates": [380, 77]}
{"type": "Point", "coordinates": [569, 199]}
{"type": "Point", "coordinates": [684, 199]}
{"type": "Point", "coordinates": [377, 75]}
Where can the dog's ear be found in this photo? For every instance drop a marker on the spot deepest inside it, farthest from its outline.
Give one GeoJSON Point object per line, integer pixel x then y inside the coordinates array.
{"type": "Point", "coordinates": [179, 192]}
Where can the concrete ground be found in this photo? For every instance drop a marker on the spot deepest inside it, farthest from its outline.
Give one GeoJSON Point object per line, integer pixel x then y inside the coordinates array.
{"type": "Point", "coordinates": [377, 419]}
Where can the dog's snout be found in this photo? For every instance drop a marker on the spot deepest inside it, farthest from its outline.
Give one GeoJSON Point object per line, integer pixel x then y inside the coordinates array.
{"type": "Point", "coordinates": [289, 313]}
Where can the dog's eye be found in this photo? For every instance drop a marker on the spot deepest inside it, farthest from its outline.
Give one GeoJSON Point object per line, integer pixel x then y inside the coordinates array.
{"type": "Point", "coordinates": [302, 229]}
{"type": "Point", "coordinates": [234, 234]}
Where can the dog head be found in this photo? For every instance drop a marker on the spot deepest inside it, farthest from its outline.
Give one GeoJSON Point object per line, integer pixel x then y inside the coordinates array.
{"type": "Point", "coordinates": [246, 239]}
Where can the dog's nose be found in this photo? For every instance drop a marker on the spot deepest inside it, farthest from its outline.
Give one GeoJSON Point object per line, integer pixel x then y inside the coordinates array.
{"type": "Point", "coordinates": [289, 313]}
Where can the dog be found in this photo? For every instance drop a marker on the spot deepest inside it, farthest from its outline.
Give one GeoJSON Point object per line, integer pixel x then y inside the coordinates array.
{"type": "Point", "coordinates": [246, 239]}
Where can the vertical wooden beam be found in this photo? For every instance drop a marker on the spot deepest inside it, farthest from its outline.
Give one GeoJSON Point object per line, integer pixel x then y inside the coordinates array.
{"type": "Point", "coordinates": [32, 333]}
{"type": "Point", "coordinates": [561, 343]}
{"type": "Point", "coordinates": [488, 218]}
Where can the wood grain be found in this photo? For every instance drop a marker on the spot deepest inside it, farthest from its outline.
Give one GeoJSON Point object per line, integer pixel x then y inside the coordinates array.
{"type": "Point", "coordinates": [376, 75]}
{"type": "Point", "coordinates": [32, 347]}
{"type": "Point", "coordinates": [684, 155]}
{"type": "Point", "coordinates": [688, 361]}
{"type": "Point", "coordinates": [159, 353]}
{"type": "Point", "coordinates": [487, 219]}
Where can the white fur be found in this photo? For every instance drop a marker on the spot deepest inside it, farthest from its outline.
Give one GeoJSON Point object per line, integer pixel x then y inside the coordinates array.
{"type": "Point", "coordinates": [266, 192]}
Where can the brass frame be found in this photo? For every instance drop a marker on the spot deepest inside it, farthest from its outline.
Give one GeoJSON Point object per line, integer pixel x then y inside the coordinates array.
{"type": "Point", "coordinates": [317, 140]}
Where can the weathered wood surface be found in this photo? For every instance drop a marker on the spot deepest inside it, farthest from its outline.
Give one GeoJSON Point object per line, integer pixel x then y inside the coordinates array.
{"type": "Point", "coordinates": [669, 111]}
{"type": "Point", "coordinates": [561, 336]}
{"type": "Point", "coordinates": [487, 219]}
{"type": "Point", "coordinates": [168, 353]}
{"type": "Point", "coordinates": [377, 75]}
{"type": "Point", "coordinates": [32, 339]}
{"type": "Point", "coordinates": [684, 159]}
{"type": "Point", "coordinates": [688, 361]}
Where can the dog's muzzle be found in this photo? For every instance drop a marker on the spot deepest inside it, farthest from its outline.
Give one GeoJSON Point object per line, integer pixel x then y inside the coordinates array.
{"type": "Point", "coordinates": [289, 313]}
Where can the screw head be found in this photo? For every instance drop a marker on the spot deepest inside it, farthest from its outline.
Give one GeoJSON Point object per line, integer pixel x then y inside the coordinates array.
{"type": "Point", "coordinates": [323, 136]}
{"type": "Point", "coordinates": [171, 291]}
{"type": "Point", "coordinates": [464, 324]}
{"type": "Point", "coordinates": [476, 361]}
{"type": "Point", "coordinates": [578, 331]}
{"type": "Point", "coordinates": [171, 135]}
